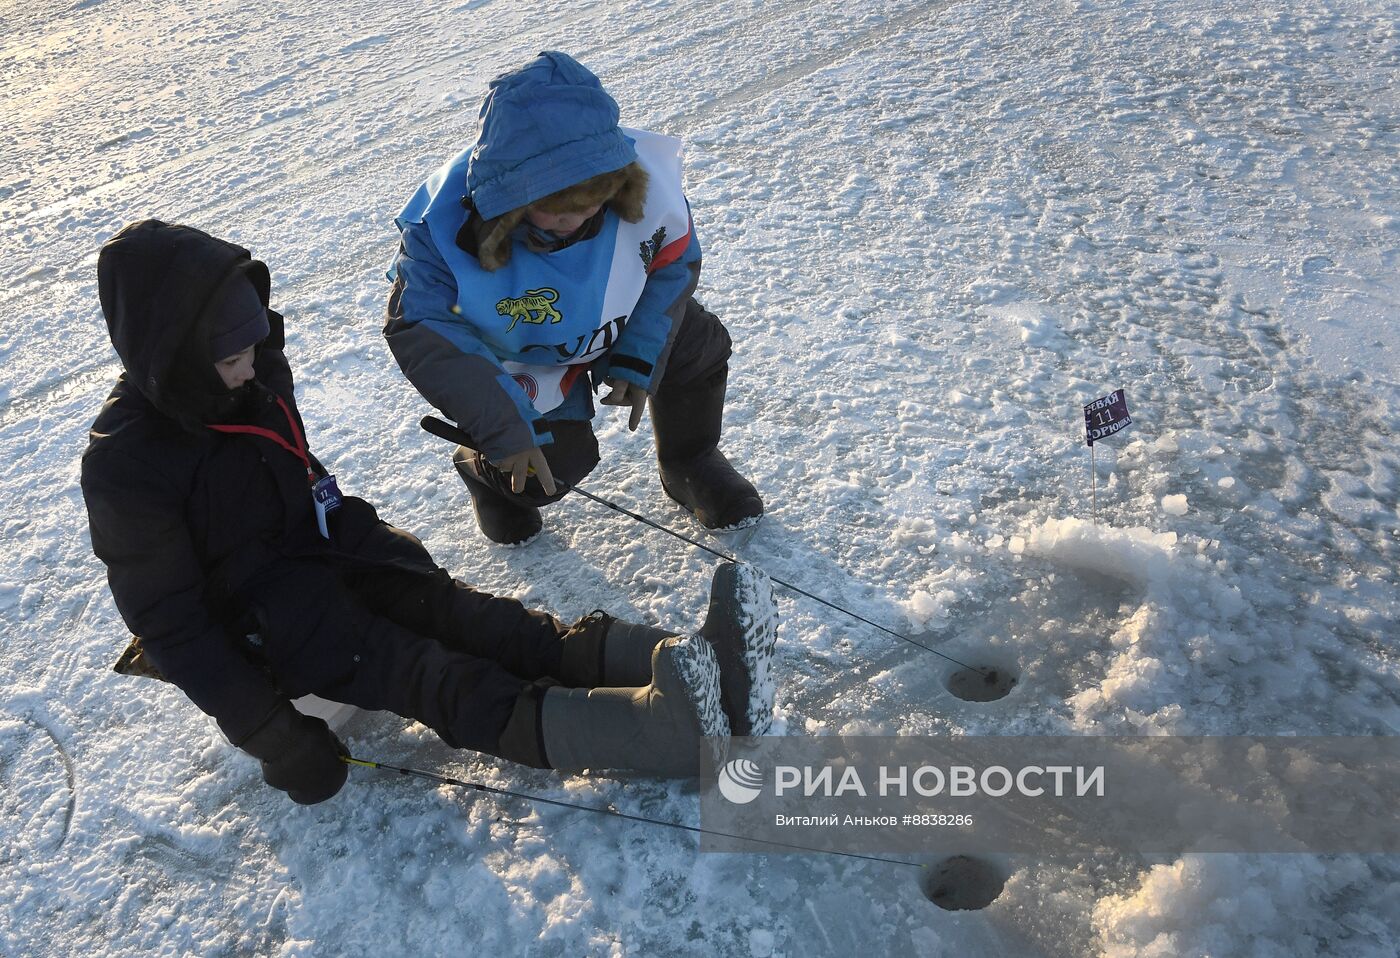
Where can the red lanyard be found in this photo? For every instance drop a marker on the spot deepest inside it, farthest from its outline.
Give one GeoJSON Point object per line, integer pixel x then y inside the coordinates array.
{"type": "Point", "coordinates": [299, 450]}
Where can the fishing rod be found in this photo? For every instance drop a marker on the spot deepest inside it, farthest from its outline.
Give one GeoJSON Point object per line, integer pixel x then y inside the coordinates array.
{"type": "Point", "coordinates": [445, 430]}
{"type": "Point", "coordinates": [608, 812]}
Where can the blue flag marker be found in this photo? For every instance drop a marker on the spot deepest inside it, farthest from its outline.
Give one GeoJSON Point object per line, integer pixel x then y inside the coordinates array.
{"type": "Point", "coordinates": [1102, 418]}
{"type": "Point", "coordinates": [1106, 415]}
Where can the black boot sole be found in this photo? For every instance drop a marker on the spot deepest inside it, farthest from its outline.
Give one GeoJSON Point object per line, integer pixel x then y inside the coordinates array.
{"type": "Point", "coordinates": [741, 625]}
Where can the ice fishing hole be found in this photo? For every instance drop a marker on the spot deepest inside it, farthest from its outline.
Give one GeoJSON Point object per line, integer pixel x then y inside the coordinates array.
{"type": "Point", "coordinates": [984, 683]}
{"type": "Point", "coordinates": [962, 883]}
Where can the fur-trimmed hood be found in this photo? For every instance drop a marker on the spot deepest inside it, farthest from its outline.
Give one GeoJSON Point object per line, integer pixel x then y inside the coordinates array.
{"type": "Point", "coordinates": [623, 191]}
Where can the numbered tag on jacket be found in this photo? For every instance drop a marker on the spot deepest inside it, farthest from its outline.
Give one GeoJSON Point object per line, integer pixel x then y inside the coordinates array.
{"type": "Point", "coordinates": [326, 495]}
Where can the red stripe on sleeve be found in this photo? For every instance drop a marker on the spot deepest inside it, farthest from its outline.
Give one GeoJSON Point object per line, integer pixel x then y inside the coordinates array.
{"type": "Point", "coordinates": [669, 254]}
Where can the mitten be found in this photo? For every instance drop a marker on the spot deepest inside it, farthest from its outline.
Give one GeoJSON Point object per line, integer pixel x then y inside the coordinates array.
{"type": "Point", "coordinates": [300, 755]}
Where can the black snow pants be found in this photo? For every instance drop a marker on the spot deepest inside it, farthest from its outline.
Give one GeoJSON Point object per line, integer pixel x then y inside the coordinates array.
{"type": "Point", "coordinates": [419, 644]}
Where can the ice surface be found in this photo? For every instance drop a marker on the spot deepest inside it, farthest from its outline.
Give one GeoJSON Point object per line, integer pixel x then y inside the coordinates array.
{"type": "Point", "coordinates": [1175, 505]}
{"type": "Point", "coordinates": [935, 230]}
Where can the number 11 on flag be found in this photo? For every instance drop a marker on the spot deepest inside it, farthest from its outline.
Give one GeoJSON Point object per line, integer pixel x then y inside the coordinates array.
{"type": "Point", "coordinates": [1102, 418]}
{"type": "Point", "coordinates": [1106, 415]}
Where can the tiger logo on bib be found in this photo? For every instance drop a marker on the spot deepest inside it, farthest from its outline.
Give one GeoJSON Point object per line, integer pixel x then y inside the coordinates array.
{"type": "Point", "coordinates": [536, 306]}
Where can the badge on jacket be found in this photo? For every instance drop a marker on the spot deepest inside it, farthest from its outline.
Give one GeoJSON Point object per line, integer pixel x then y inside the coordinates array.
{"type": "Point", "coordinates": [325, 494]}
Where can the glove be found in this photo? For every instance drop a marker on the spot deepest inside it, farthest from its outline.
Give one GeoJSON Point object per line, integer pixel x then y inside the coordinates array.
{"type": "Point", "coordinates": [522, 464]}
{"type": "Point", "coordinates": [627, 394]}
{"type": "Point", "coordinates": [300, 755]}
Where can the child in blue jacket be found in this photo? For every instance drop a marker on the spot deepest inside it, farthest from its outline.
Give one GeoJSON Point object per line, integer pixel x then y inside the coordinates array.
{"type": "Point", "coordinates": [556, 254]}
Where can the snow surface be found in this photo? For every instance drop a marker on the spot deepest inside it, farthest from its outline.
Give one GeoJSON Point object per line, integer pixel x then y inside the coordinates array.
{"type": "Point", "coordinates": [935, 229]}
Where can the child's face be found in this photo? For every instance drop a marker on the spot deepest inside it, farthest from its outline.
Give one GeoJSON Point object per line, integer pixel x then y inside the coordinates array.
{"type": "Point", "coordinates": [562, 225]}
{"type": "Point", "coordinates": [237, 369]}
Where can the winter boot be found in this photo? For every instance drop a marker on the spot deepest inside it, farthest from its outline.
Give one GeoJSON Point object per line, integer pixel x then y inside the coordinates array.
{"type": "Point", "coordinates": [602, 651]}
{"type": "Point", "coordinates": [658, 729]}
{"type": "Point", "coordinates": [501, 519]}
{"type": "Point", "coordinates": [686, 424]}
{"type": "Point", "coordinates": [742, 626]}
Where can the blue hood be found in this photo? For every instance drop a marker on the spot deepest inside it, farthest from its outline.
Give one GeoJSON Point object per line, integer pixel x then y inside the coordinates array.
{"type": "Point", "coordinates": [544, 127]}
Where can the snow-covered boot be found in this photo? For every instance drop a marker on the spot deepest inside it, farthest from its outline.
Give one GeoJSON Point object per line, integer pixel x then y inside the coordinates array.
{"type": "Point", "coordinates": [742, 626]}
{"type": "Point", "coordinates": [657, 729]}
{"type": "Point", "coordinates": [501, 519]}
{"type": "Point", "coordinates": [602, 651]}
{"type": "Point", "coordinates": [686, 424]}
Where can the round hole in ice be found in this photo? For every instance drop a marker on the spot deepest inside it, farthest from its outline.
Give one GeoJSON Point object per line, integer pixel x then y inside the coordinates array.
{"type": "Point", "coordinates": [983, 683]}
{"type": "Point", "coordinates": [962, 883]}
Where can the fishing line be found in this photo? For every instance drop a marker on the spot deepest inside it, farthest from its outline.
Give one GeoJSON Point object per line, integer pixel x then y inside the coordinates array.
{"type": "Point", "coordinates": [612, 813]}
{"type": "Point", "coordinates": [445, 430]}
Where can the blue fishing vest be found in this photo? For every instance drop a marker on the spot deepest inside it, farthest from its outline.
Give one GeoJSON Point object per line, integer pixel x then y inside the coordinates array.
{"type": "Point", "coordinates": [546, 315]}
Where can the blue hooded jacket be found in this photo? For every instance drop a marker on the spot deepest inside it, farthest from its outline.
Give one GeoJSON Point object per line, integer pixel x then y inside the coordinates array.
{"type": "Point", "coordinates": [544, 127]}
